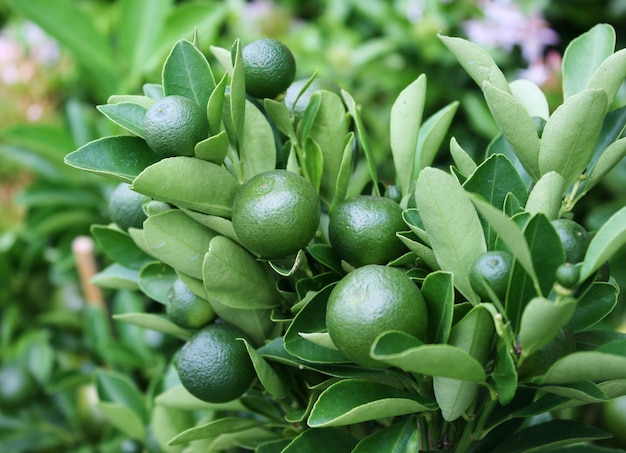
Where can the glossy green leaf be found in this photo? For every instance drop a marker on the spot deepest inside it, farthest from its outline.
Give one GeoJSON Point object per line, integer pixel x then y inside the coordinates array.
{"type": "Point", "coordinates": [329, 131]}
{"type": "Point", "coordinates": [403, 351]}
{"type": "Point", "coordinates": [477, 62]}
{"type": "Point", "coordinates": [178, 241]}
{"type": "Point", "coordinates": [454, 230]}
{"type": "Point", "coordinates": [422, 251]}
{"type": "Point", "coordinates": [473, 334]}
{"type": "Point", "coordinates": [116, 276]}
{"type": "Point", "coordinates": [118, 388]}
{"type": "Point", "coordinates": [268, 376]}
{"type": "Point", "coordinates": [218, 224]}
{"type": "Point", "coordinates": [405, 122]}
{"type": "Point", "coordinates": [594, 305]}
{"type": "Point", "coordinates": [352, 401]}
{"type": "Point", "coordinates": [312, 319]}
{"type": "Point", "coordinates": [462, 159]}
{"type": "Point", "coordinates": [199, 185]}
{"type": "Point", "coordinates": [610, 238]}
{"type": "Point", "coordinates": [235, 278]}
{"type": "Point", "coordinates": [143, 101]}
{"type": "Point", "coordinates": [546, 197]}
{"type": "Point", "coordinates": [123, 419]}
{"type": "Point", "coordinates": [152, 321]}
{"type": "Point", "coordinates": [128, 115]}
{"type": "Point", "coordinates": [531, 97]}
{"type": "Point", "coordinates": [587, 392]}
{"type": "Point", "coordinates": [584, 55]}
{"type": "Point", "coordinates": [510, 233]}
{"type": "Point", "coordinates": [345, 171]}
{"type": "Point", "coordinates": [258, 150]}
{"type": "Point", "coordinates": [438, 292]}
{"type": "Point", "coordinates": [213, 149]}
{"type": "Point", "coordinates": [215, 428]}
{"type": "Point", "coordinates": [119, 157]}
{"type": "Point", "coordinates": [280, 116]}
{"type": "Point", "coordinates": [546, 250]}
{"type": "Point", "coordinates": [186, 72]}
{"type": "Point", "coordinates": [215, 106]}
{"type": "Point", "coordinates": [610, 74]}
{"type": "Point", "coordinates": [156, 280]}
{"type": "Point", "coordinates": [119, 246]}
{"type": "Point", "coordinates": [570, 134]}
{"type": "Point", "coordinates": [431, 136]}
{"type": "Point", "coordinates": [309, 441]}
{"type": "Point", "coordinates": [554, 433]}
{"type": "Point", "coordinates": [517, 127]}
{"type": "Point", "coordinates": [153, 91]}
{"type": "Point", "coordinates": [237, 96]}
{"type": "Point", "coordinates": [541, 321]}
{"type": "Point", "coordinates": [609, 158]}
{"type": "Point", "coordinates": [401, 436]}
{"type": "Point", "coordinates": [504, 375]}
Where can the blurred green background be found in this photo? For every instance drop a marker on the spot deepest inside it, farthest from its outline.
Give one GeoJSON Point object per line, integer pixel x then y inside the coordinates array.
{"type": "Point", "coordinates": [59, 352]}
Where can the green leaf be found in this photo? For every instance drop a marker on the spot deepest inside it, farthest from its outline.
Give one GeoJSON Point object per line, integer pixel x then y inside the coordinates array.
{"type": "Point", "coordinates": [504, 375]}
{"type": "Point", "coordinates": [117, 388]}
{"type": "Point", "coordinates": [215, 428]}
{"type": "Point", "coordinates": [120, 247]}
{"type": "Point", "coordinates": [345, 171]}
{"type": "Point", "coordinates": [139, 28]}
{"type": "Point", "coordinates": [401, 436]}
{"type": "Point", "coordinates": [280, 116]}
{"type": "Point", "coordinates": [199, 185]}
{"type": "Point", "coordinates": [116, 276]}
{"type": "Point", "coordinates": [554, 433]}
{"type": "Point", "coordinates": [215, 106]}
{"type": "Point", "coordinates": [584, 55]}
{"type": "Point", "coordinates": [213, 149]}
{"type": "Point", "coordinates": [477, 62]}
{"type": "Point", "coordinates": [119, 157]}
{"type": "Point", "coordinates": [403, 351]}
{"type": "Point", "coordinates": [610, 157]}
{"type": "Point", "coordinates": [531, 97]}
{"type": "Point", "coordinates": [128, 115]}
{"type": "Point", "coordinates": [541, 321]}
{"type": "Point", "coordinates": [258, 149]}
{"type": "Point", "coordinates": [178, 241]}
{"type": "Point", "coordinates": [269, 378]}
{"type": "Point", "coordinates": [159, 323]}
{"type": "Point", "coordinates": [517, 127]}
{"type": "Point", "coordinates": [454, 230]}
{"type": "Point", "coordinates": [462, 159]}
{"type": "Point", "coordinates": [546, 250]}
{"type": "Point", "coordinates": [546, 197]}
{"type": "Point", "coordinates": [178, 397]}
{"type": "Point", "coordinates": [237, 96]}
{"type": "Point", "coordinates": [309, 441]}
{"type": "Point", "coordinates": [431, 135]}
{"type": "Point", "coordinates": [570, 134]}
{"type": "Point", "coordinates": [186, 72]}
{"type": "Point", "coordinates": [167, 422]}
{"type": "Point", "coordinates": [438, 292]}
{"type": "Point", "coordinates": [123, 419]}
{"type": "Point", "coordinates": [594, 305]}
{"type": "Point", "coordinates": [218, 224]}
{"type": "Point", "coordinates": [156, 280]}
{"type": "Point", "coordinates": [235, 278]}
{"type": "Point", "coordinates": [610, 74]}
{"type": "Point", "coordinates": [256, 324]}
{"type": "Point", "coordinates": [405, 122]}
{"type": "Point", "coordinates": [143, 101]}
{"type": "Point", "coordinates": [610, 238]}
{"type": "Point", "coordinates": [352, 401]}
{"type": "Point", "coordinates": [587, 392]}
{"type": "Point", "coordinates": [473, 334]}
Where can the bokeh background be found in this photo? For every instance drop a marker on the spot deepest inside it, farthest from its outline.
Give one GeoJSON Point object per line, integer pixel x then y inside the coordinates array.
{"type": "Point", "coordinates": [59, 350]}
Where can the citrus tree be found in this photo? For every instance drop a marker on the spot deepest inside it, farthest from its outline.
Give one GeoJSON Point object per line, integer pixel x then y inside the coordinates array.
{"type": "Point", "coordinates": [470, 326]}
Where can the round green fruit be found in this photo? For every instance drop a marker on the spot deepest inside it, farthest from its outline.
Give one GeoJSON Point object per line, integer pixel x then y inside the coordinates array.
{"type": "Point", "coordinates": [491, 269]}
{"type": "Point", "coordinates": [574, 238]}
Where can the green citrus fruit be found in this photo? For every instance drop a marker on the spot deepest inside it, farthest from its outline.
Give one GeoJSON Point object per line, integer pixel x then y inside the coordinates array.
{"type": "Point", "coordinates": [187, 310]}
{"type": "Point", "coordinates": [269, 68]}
{"type": "Point", "coordinates": [567, 275]}
{"type": "Point", "coordinates": [362, 230]}
{"type": "Point", "coordinates": [126, 207]}
{"type": "Point", "coordinates": [214, 365]}
{"type": "Point", "coordinates": [369, 301]}
{"type": "Point", "coordinates": [297, 102]}
{"type": "Point", "coordinates": [18, 386]}
{"type": "Point", "coordinates": [541, 360]}
{"type": "Point", "coordinates": [614, 419]}
{"type": "Point", "coordinates": [276, 213]}
{"type": "Point", "coordinates": [491, 268]}
{"type": "Point", "coordinates": [173, 125]}
{"type": "Point", "coordinates": [574, 238]}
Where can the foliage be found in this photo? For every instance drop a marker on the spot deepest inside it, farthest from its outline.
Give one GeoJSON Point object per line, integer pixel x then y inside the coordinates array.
{"type": "Point", "coordinates": [459, 390]}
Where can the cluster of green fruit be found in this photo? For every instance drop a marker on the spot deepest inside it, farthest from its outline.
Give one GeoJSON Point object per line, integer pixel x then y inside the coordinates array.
{"type": "Point", "coordinates": [286, 272]}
